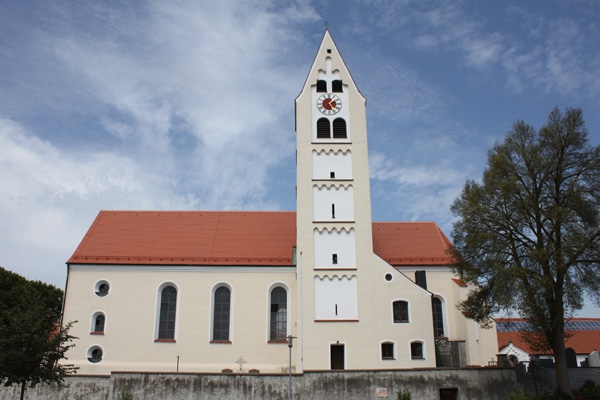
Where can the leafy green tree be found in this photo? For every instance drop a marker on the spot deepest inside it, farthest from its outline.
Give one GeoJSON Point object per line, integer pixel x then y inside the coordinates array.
{"type": "Point", "coordinates": [528, 235]}
{"type": "Point", "coordinates": [32, 341]}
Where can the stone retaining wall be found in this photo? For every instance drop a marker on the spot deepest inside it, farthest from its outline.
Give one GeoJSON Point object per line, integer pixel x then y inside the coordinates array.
{"type": "Point", "coordinates": [424, 384]}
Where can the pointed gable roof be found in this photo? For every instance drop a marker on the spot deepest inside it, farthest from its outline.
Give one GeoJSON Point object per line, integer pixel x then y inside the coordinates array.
{"type": "Point", "coordinates": [235, 238]}
{"type": "Point", "coordinates": [327, 48]}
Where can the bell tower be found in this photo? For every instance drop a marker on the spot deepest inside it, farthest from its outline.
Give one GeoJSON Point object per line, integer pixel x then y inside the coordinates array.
{"type": "Point", "coordinates": [334, 227]}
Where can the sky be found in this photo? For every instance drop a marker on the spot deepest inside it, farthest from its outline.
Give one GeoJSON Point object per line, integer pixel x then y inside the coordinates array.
{"type": "Point", "coordinates": [189, 105]}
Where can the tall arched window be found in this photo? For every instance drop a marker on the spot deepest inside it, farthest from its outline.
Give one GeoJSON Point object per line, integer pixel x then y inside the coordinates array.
{"type": "Point", "coordinates": [168, 310]}
{"type": "Point", "coordinates": [336, 86]}
{"type": "Point", "coordinates": [278, 317]}
{"type": "Point", "coordinates": [438, 317]}
{"type": "Point", "coordinates": [323, 128]}
{"type": "Point", "coordinates": [339, 128]}
{"type": "Point", "coordinates": [321, 86]}
{"type": "Point", "coordinates": [222, 304]}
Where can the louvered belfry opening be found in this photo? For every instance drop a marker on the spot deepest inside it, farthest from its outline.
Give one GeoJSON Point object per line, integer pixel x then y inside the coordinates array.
{"type": "Point", "coordinates": [339, 128]}
{"type": "Point", "coordinates": [336, 86]}
{"type": "Point", "coordinates": [323, 128]}
{"type": "Point", "coordinates": [321, 86]}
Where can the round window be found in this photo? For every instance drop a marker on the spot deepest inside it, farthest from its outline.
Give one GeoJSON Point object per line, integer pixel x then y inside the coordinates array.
{"type": "Point", "coordinates": [389, 277]}
{"type": "Point", "coordinates": [94, 354]}
{"type": "Point", "coordinates": [102, 288]}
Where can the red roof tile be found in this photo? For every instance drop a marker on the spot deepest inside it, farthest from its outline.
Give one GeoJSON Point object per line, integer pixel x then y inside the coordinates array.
{"type": "Point", "coordinates": [411, 243]}
{"type": "Point", "coordinates": [235, 238]}
{"type": "Point", "coordinates": [582, 341]}
{"type": "Point", "coordinates": [189, 238]}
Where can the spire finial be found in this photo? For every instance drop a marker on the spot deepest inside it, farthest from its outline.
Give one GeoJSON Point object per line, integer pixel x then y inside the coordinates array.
{"type": "Point", "coordinates": [326, 25]}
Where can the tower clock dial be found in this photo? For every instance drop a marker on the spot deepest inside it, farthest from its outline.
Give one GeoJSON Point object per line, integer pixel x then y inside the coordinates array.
{"type": "Point", "coordinates": [329, 104]}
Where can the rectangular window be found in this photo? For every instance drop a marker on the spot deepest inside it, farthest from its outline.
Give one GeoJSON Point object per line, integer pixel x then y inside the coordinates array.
{"type": "Point", "coordinates": [421, 279]}
{"type": "Point", "coordinates": [332, 175]}
{"type": "Point", "coordinates": [334, 258]}
{"type": "Point", "coordinates": [387, 351]}
{"type": "Point", "coordinates": [333, 211]}
{"type": "Point", "coordinates": [416, 350]}
{"type": "Point", "coordinates": [400, 309]}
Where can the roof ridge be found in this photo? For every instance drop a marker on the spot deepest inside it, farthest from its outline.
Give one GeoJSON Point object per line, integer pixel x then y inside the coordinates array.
{"type": "Point", "coordinates": [200, 211]}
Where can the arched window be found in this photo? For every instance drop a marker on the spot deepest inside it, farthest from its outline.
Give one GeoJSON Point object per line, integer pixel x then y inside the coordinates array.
{"type": "Point", "coordinates": [438, 317]}
{"type": "Point", "coordinates": [387, 351]}
{"type": "Point", "coordinates": [336, 86]}
{"type": "Point", "coordinates": [168, 309]}
{"type": "Point", "coordinates": [400, 309]}
{"type": "Point", "coordinates": [321, 86]}
{"type": "Point", "coordinates": [222, 303]}
{"type": "Point", "coordinates": [339, 128]}
{"type": "Point", "coordinates": [416, 350]}
{"type": "Point", "coordinates": [323, 128]}
{"type": "Point", "coordinates": [278, 314]}
{"type": "Point", "coordinates": [99, 324]}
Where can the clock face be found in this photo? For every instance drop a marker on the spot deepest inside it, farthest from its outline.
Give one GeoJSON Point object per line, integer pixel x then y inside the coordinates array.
{"type": "Point", "coordinates": [329, 104]}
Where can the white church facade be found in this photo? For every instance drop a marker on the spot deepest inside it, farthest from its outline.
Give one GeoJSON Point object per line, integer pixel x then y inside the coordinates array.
{"type": "Point", "coordinates": [198, 291]}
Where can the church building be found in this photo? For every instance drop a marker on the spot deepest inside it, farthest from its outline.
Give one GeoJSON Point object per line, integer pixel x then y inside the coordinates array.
{"type": "Point", "coordinates": [214, 291]}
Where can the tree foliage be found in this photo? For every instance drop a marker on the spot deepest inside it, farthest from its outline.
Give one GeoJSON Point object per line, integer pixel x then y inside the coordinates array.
{"type": "Point", "coordinates": [32, 341]}
{"type": "Point", "coordinates": [528, 235]}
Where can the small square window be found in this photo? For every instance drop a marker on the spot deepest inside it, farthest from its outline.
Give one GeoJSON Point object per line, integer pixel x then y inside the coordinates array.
{"type": "Point", "coordinates": [332, 175]}
{"type": "Point", "coordinates": [329, 51]}
{"type": "Point", "coordinates": [387, 351]}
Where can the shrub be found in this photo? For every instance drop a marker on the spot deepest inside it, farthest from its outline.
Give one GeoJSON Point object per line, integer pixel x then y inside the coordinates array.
{"type": "Point", "coordinates": [126, 395]}
{"type": "Point", "coordinates": [404, 395]}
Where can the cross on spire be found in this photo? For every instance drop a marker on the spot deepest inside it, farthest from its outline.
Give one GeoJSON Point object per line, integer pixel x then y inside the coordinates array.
{"type": "Point", "coordinates": [326, 25]}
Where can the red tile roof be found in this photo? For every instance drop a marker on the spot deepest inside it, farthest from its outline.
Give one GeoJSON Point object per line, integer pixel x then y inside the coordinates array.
{"type": "Point", "coordinates": [189, 238]}
{"type": "Point", "coordinates": [411, 243]}
{"type": "Point", "coordinates": [582, 341]}
{"type": "Point", "coordinates": [235, 238]}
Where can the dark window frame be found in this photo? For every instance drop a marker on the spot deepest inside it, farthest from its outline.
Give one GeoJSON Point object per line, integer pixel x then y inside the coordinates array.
{"type": "Point", "coordinates": [278, 315]}
{"type": "Point", "coordinates": [400, 312]}
{"type": "Point", "coordinates": [387, 351]}
{"type": "Point", "coordinates": [416, 350]}
{"type": "Point", "coordinates": [167, 313]}
{"type": "Point", "coordinates": [323, 128]}
{"type": "Point", "coordinates": [437, 311]}
{"type": "Point", "coordinates": [339, 128]}
{"type": "Point", "coordinates": [221, 314]}
{"type": "Point", "coordinates": [337, 86]}
{"type": "Point", "coordinates": [321, 86]}
{"type": "Point", "coordinates": [99, 323]}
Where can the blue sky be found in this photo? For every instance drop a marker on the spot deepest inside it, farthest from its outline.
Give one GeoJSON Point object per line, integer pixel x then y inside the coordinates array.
{"type": "Point", "coordinates": [190, 104]}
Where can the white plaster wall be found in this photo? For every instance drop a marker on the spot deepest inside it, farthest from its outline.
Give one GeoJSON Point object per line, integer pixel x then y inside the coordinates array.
{"type": "Point", "coordinates": [337, 242]}
{"type": "Point", "coordinates": [335, 298]}
{"type": "Point", "coordinates": [340, 196]}
{"type": "Point", "coordinates": [324, 163]}
{"type": "Point", "coordinates": [130, 308]}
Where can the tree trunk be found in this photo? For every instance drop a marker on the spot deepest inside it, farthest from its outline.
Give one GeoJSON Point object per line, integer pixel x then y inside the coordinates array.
{"type": "Point", "coordinates": [560, 363]}
{"type": "Point", "coordinates": [23, 388]}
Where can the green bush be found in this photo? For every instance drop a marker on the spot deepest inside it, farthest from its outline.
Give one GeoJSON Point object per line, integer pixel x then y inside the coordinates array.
{"type": "Point", "coordinates": [589, 390]}
{"type": "Point", "coordinates": [404, 395]}
{"type": "Point", "coordinates": [521, 395]}
{"type": "Point", "coordinates": [126, 395]}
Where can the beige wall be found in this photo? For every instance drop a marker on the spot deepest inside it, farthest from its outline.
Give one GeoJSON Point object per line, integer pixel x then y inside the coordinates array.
{"type": "Point", "coordinates": [131, 312]}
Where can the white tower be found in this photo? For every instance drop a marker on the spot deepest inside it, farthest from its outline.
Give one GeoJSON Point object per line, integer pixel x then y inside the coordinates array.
{"type": "Point", "coordinates": [336, 265]}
